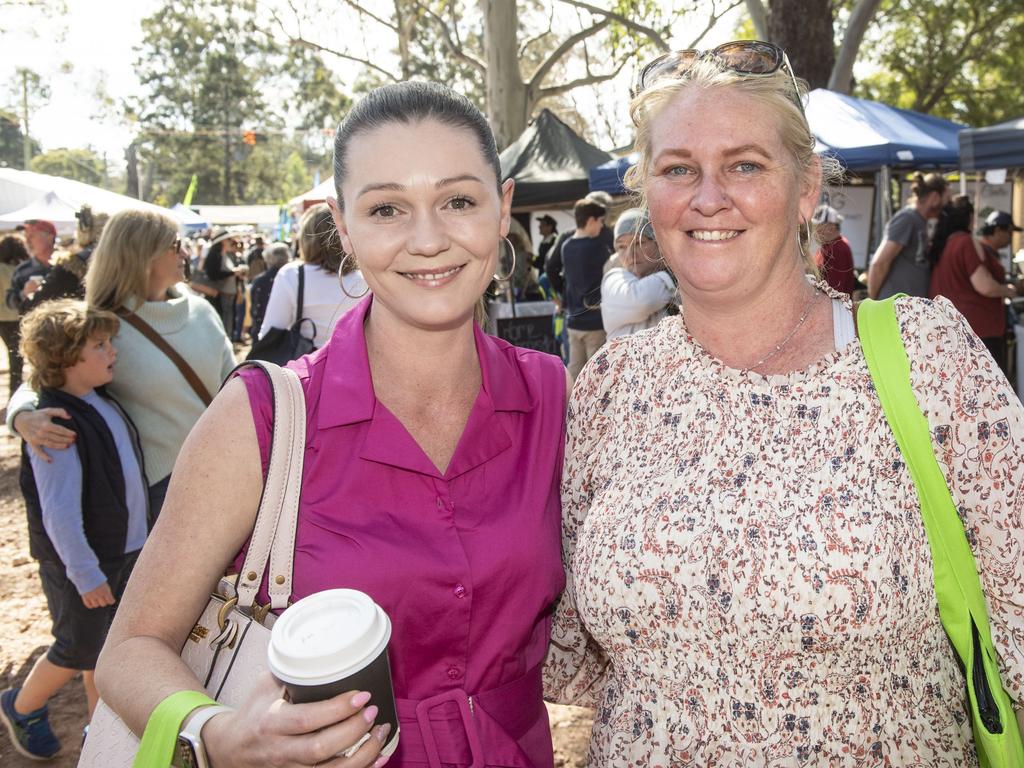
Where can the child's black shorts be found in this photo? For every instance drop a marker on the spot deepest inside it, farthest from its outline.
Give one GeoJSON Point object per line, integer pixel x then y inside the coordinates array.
{"type": "Point", "coordinates": [79, 632]}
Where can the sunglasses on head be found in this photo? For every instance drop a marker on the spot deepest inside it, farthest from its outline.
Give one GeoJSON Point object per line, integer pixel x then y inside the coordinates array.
{"type": "Point", "coordinates": [745, 57]}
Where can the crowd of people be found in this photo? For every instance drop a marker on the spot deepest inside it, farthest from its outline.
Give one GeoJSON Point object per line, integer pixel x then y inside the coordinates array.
{"type": "Point", "coordinates": [701, 527]}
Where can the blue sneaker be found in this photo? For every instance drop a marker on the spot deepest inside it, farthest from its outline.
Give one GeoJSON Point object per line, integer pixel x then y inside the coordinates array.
{"type": "Point", "coordinates": [30, 734]}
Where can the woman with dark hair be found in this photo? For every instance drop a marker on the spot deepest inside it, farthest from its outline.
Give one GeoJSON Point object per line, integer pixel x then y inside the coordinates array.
{"type": "Point", "coordinates": [331, 284]}
{"type": "Point", "coordinates": [12, 253]}
{"type": "Point", "coordinates": [421, 430]}
{"type": "Point", "coordinates": [971, 277]}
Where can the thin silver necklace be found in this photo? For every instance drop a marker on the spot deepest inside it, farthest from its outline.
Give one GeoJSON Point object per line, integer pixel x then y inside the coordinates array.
{"type": "Point", "coordinates": [782, 344]}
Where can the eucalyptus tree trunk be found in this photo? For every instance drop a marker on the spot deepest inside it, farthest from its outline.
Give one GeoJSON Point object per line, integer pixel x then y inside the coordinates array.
{"type": "Point", "coordinates": [508, 102]}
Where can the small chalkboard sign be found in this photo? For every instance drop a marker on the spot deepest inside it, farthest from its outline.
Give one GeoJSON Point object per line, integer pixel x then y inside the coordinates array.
{"type": "Point", "coordinates": [532, 331]}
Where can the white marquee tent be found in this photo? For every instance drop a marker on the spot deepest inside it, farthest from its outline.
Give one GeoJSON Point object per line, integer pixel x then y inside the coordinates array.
{"type": "Point", "coordinates": [24, 194]}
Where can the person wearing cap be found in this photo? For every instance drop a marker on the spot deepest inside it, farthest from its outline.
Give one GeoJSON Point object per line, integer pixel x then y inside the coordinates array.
{"type": "Point", "coordinates": [834, 257]}
{"type": "Point", "coordinates": [635, 293]}
{"type": "Point", "coordinates": [997, 231]}
{"type": "Point", "coordinates": [970, 274]}
{"type": "Point", "coordinates": [548, 228]}
{"type": "Point", "coordinates": [66, 280]}
{"type": "Point", "coordinates": [40, 237]}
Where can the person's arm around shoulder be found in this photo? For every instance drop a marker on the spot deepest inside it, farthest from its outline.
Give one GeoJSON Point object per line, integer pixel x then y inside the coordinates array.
{"type": "Point", "coordinates": [36, 427]}
{"type": "Point", "coordinates": [206, 519]}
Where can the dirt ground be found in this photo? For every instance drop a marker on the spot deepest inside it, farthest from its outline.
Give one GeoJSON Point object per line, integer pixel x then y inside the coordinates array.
{"type": "Point", "coordinates": [25, 630]}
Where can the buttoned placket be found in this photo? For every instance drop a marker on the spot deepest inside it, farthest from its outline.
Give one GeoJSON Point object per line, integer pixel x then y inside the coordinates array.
{"type": "Point", "coordinates": [455, 668]}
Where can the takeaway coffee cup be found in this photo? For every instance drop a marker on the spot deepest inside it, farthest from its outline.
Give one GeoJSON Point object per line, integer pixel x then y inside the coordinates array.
{"type": "Point", "coordinates": [332, 642]}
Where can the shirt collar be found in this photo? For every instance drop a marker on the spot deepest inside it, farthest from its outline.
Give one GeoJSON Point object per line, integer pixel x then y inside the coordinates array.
{"type": "Point", "coordinates": [347, 373]}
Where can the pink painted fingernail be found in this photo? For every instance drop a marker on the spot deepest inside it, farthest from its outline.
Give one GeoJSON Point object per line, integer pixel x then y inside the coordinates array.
{"type": "Point", "coordinates": [360, 698]}
{"type": "Point", "coordinates": [370, 714]}
{"type": "Point", "coordinates": [382, 732]}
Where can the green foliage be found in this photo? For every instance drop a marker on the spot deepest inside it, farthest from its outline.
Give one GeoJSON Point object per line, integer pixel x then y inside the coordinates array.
{"type": "Point", "coordinates": [79, 164]}
{"type": "Point", "coordinates": [954, 59]}
{"type": "Point", "coordinates": [12, 142]}
{"type": "Point", "coordinates": [209, 71]}
{"type": "Point", "coordinates": [275, 172]}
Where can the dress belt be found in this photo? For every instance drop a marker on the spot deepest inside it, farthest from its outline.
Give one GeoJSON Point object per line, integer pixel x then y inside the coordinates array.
{"type": "Point", "coordinates": [464, 729]}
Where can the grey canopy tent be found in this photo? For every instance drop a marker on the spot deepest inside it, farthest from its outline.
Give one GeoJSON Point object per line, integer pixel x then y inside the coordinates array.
{"type": "Point", "coordinates": [995, 146]}
{"type": "Point", "coordinates": [550, 164]}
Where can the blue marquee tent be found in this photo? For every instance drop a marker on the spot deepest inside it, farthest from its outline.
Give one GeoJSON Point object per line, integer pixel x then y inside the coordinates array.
{"type": "Point", "coordinates": [864, 135]}
{"type": "Point", "coordinates": [994, 146]}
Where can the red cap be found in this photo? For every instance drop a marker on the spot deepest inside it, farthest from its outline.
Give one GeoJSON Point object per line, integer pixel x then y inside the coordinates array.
{"type": "Point", "coordinates": [42, 225]}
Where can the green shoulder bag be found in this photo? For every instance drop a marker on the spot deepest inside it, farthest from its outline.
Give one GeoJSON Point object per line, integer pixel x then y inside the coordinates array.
{"type": "Point", "coordinates": [962, 607]}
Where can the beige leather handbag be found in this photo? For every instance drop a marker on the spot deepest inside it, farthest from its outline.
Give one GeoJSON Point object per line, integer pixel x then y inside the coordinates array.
{"type": "Point", "coordinates": [227, 647]}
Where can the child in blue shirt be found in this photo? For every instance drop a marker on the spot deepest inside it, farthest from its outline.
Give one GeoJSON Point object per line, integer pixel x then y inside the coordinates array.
{"type": "Point", "coordinates": [87, 509]}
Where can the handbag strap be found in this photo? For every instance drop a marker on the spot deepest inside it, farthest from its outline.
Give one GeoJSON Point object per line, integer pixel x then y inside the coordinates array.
{"type": "Point", "coordinates": [161, 343]}
{"type": "Point", "coordinates": [273, 535]}
{"type": "Point", "coordinates": [299, 298]}
{"type": "Point", "coordinates": [958, 587]}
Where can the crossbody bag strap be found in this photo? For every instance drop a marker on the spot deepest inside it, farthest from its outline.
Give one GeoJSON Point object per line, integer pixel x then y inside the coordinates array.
{"type": "Point", "coordinates": [273, 536]}
{"type": "Point", "coordinates": [958, 588]}
{"type": "Point", "coordinates": [160, 343]}
{"type": "Point", "coordinates": [887, 360]}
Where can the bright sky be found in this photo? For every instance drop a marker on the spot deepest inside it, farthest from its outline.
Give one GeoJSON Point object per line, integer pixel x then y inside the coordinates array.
{"type": "Point", "coordinates": [97, 48]}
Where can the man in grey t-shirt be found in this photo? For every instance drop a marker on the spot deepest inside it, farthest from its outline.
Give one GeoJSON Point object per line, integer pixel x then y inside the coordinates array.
{"type": "Point", "coordinates": [901, 263]}
{"type": "Point", "coordinates": [911, 270]}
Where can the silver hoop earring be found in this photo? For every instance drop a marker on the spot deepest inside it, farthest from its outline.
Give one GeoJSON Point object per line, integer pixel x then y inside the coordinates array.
{"type": "Point", "coordinates": [806, 226]}
{"type": "Point", "coordinates": [512, 269]}
{"type": "Point", "coordinates": [341, 280]}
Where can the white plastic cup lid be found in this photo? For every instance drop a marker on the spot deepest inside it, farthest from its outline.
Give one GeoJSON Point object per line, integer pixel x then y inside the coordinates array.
{"type": "Point", "coordinates": [327, 636]}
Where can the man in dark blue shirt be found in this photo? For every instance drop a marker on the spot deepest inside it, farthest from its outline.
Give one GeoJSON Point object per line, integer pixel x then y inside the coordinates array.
{"type": "Point", "coordinates": [583, 258]}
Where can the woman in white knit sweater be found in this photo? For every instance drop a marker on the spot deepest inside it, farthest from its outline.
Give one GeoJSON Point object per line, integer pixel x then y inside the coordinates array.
{"type": "Point", "coordinates": [137, 268]}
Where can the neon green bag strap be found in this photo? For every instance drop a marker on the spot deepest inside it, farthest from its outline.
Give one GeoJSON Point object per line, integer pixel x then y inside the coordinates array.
{"type": "Point", "coordinates": [158, 741]}
{"type": "Point", "coordinates": [962, 606]}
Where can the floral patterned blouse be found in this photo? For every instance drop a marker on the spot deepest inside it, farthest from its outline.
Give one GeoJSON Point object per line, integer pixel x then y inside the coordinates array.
{"type": "Point", "coordinates": [749, 579]}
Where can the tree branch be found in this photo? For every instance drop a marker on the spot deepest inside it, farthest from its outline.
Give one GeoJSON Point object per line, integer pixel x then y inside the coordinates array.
{"type": "Point", "coordinates": [712, 21]}
{"type": "Point", "coordinates": [649, 32]}
{"type": "Point", "coordinates": [567, 45]}
{"type": "Point", "coordinates": [554, 90]}
{"type": "Point", "coordinates": [366, 12]}
{"type": "Point", "coordinates": [348, 57]}
{"type": "Point", "coordinates": [456, 48]}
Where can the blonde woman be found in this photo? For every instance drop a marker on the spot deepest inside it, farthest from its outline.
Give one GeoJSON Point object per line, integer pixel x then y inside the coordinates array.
{"type": "Point", "coordinates": [136, 269]}
{"type": "Point", "coordinates": [749, 581]}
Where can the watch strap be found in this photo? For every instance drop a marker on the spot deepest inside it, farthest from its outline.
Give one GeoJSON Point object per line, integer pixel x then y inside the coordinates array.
{"type": "Point", "coordinates": [161, 734]}
{"type": "Point", "coordinates": [192, 728]}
